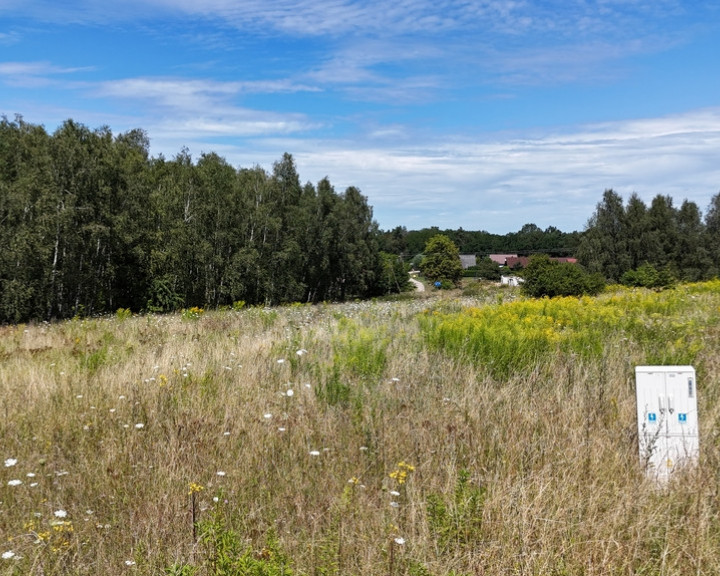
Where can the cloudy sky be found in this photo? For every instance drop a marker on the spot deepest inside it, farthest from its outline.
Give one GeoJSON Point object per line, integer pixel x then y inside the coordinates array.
{"type": "Point", "coordinates": [481, 114]}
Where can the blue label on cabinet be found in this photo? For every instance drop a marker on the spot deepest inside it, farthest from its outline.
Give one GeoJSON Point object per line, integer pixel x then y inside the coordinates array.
{"type": "Point", "coordinates": [652, 417]}
{"type": "Point", "coordinates": [682, 417]}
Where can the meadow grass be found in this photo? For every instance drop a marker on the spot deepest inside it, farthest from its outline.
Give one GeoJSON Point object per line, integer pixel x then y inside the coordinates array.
{"type": "Point", "coordinates": [451, 435]}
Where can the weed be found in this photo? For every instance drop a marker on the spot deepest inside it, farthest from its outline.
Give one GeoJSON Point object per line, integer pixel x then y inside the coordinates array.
{"type": "Point", "coordinates": [105, 422]}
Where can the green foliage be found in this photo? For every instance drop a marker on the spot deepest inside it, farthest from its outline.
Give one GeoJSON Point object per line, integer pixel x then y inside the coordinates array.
{"type": "Point", "coordinates": [360, 352]}
{"type": "Point", "coordinates": [123, 314]}
{"type": "Point", "coordinates": [647, 276]}
{"type": "Point", "coordinates": [457, 521]}
{"type": "Point", "coordinates": [530, 238]}
{"type": "Point", "coordinates": [518, 337]}
{"type": "Point", "coordinates": [441, 262]}
{"type": "Point", "coordinates": [392, 276]}
{"type": "Point", "coordinates": [620, 239]}
{"type": "Point", "coordinates": [181, 570]}
{"type": "Point", "coordinates": [91, 224]}
{"type": "Point", "coordinates": [334, 389]}
{"type": "Point", "coordinates": [225, 553]}
{"type": "Point", "coordinates": [546, 277]}
{"type": "Point", "coordinates": [486, 269]}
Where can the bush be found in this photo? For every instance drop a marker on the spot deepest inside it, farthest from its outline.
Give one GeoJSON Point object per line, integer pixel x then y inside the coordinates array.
{"type": "Point", "coordinates": [485, 268]}
{"type": "Point", "coordinates": [647, 276]}
{"type": "Point", "coordinates": [546, 277]}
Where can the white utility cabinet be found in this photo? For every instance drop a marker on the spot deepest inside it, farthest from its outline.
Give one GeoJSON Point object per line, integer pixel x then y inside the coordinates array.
{"type": "Point", "coordinates": [667, 417]}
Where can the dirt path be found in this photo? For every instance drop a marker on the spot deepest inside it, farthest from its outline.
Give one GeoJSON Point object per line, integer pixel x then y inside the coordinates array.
{"type": "Point", "coordinates": [419, 286]}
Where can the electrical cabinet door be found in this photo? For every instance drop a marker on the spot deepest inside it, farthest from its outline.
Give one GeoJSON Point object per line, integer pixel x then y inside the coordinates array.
{"type": "Point", "coordinates": [667, 417]}
{"type": "Point", "coordinates": [650, 387]}
{"type": "Point", "coordinates": [682, 403]}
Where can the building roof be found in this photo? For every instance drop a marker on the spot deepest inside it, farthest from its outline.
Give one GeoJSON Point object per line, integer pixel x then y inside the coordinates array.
{"type": "Point", "coordinates": [501, 258]}
{"type": "Point", "coordinates": [515, 261]}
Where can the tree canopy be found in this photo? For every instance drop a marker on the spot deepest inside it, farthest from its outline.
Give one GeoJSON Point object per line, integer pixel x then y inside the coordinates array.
{"type": "Point", "coordinates": [90, 223]}
{"type": "Point", "coordinates": [441, 261]}
{"type": "Point", "coordinates": [623, 238]}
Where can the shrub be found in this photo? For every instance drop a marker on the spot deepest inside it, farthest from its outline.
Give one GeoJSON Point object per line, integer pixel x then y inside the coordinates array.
{"type": "Point", "coordinates": [647, 276]}
{"type": "Point", "coordinates": [546, 277]}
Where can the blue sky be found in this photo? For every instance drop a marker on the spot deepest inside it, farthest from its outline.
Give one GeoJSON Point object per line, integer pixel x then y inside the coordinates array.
{"type": "Point", "coordinates": [485, 114]}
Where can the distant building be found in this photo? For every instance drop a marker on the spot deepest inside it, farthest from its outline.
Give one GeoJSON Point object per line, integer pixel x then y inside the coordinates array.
{"type": "Point", "coordinates": [468, 260]}
{"type": "Point", "coordinates": [517, 261]}
{"type": "Point", "coordinates": [500, 259]}
{"type": "Point", "coordinates": [511, 280]}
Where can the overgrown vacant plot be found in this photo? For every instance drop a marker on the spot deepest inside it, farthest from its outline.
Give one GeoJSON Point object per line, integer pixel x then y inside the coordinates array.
{"type": "Point", "coordinates": [486, 434]}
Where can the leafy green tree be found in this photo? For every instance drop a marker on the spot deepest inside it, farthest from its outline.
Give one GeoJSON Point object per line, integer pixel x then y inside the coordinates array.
{"type": "Point", "coordinates": [638, 231]}
{"type": "Point", "coordinates": [604, 244]}
{"type": "Point", "coordinates": [355, 244]}
{"type": "Point", "coordinates": [546, 277]}
{"type": "Point", "coordinates": [689, 254]}
{"type": "Point", "coordinates": [394, 241]}
{"type": "Point", "coordinates": [663, 233]}
{"type": "Point", "coordinates": [712, 235]}
{"type": "Point", "coordinates": [26, 220]}
{"type": "Point", "coordinates": [392, 276]}
{"type": "Point", "coordinates": [441, 260]}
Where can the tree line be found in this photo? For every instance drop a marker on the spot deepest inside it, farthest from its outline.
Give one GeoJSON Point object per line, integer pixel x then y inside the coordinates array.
{"type": "Point", "coordinates": [529, 239]}
{"type": "Point", "coordinates": [675, 242]}
{"type": "Point", "coordinates": [90, 223]}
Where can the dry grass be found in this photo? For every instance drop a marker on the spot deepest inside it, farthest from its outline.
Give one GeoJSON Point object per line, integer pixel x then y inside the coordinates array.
{"type": "Point", "coordinates": [536, 473]}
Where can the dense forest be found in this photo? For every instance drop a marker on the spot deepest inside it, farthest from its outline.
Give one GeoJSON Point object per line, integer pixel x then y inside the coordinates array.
{"type": "Point", "coordinates": [90, 223]}
{"type": "Point", "coordinates": [621, 238]}
{"type": "Point", "coordinates": [530, 239]}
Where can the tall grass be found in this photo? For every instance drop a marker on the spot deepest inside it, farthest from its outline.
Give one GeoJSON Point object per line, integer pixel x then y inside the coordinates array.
{"type": "Point", "coordinates": [422, 437]}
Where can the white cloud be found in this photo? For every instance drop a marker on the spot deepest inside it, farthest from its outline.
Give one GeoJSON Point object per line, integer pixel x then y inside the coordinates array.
{"type": "Point", "coordinates": [501, 184]}
{"type": "Point", "coordinates": [181, 92]}
{"type": "Point", "coordinates": [560, 18]}
{"type": "Point", "coordinates": [8, 38]}
{"type": "Point", "coordinates": [177, 109]}
{"type": "Point", "coordinates": [34, 74]}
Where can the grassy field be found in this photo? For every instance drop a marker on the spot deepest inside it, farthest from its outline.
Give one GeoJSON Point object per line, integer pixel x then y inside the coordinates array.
{"type": "Point", "coordinates": [464, 434]}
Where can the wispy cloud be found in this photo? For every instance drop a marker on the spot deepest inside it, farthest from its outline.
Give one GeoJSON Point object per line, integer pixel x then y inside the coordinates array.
{"type": "Point", "coordinates": [516, 41]}
{"type": "Point", "coordinates": [34, 74]}
{"type": "Point", "coordinates": [500, 182]}
{"type": "Point", "coordinates": [193, 93]}
{"type": "Point", "coordinates": [562, 18]}
{"type": "Point", "coordinates": [179, 110]}
{"type": "Point", "coordinates": [8, 38]}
